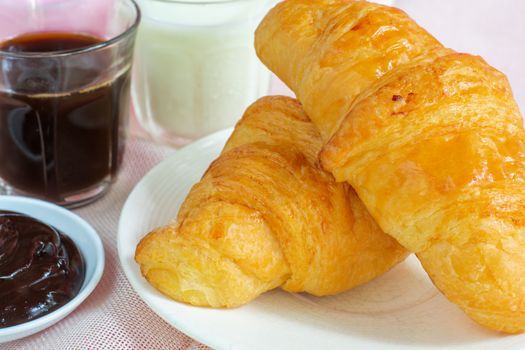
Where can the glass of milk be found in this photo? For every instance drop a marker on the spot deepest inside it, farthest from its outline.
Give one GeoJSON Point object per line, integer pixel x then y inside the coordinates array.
{"type": "Point", "coordinates": [196, 70]}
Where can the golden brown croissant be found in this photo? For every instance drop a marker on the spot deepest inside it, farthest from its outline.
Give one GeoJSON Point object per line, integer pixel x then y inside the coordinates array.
{"type": "Point", "coordinates": [431, 140]}
{"type": "Point", "coordinates": [265, 215]}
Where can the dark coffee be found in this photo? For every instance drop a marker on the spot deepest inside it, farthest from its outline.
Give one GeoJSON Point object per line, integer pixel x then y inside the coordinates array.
{"type": "Point", "coordinates": [63, 130]}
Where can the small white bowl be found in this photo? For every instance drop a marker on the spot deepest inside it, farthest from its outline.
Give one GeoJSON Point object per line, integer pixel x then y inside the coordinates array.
{"type": "Point", "coordinates": [86, 239]}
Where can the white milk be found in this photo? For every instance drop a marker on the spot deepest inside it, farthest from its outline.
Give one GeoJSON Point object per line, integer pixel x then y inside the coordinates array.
{"type": "Point", "coordinates": [195, 66]}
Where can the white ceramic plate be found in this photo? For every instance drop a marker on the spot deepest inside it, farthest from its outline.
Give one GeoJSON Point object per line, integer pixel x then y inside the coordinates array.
{"type": "Point", "coordinates": [400, 310]}
{"type": "Point", "coordinates": [86, 239]}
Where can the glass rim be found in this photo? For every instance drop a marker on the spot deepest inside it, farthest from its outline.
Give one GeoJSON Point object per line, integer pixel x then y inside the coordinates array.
{"type": "Point", "coordinates": [94, 47]}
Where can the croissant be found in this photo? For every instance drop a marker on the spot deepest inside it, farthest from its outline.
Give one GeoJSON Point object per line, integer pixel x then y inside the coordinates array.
{"type": "Point", "coordinates": [265, 215]}
{"type": "Point", "coordinates": [431, 140]}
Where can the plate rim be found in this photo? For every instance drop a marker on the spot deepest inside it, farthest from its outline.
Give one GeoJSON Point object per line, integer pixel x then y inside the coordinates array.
{"type": "Point", "coordinates": [221, 135]}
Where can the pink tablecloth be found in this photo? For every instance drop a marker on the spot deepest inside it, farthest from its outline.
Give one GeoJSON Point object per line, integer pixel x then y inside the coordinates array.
{"type": "Point", "coordinates": [115, 318]}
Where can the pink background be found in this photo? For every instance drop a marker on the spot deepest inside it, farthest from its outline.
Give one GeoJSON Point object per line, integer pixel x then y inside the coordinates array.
{"type": "Point", "coordinates": [96, 17]}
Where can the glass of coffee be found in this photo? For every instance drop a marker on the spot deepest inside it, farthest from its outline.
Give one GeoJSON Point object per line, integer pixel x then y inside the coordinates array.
{"type": "Point", "coordinates": [64, 96]}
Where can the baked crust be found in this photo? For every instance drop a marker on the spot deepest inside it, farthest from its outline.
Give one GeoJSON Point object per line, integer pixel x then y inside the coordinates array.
{"type": "Point", "coordinates": [265, 215]}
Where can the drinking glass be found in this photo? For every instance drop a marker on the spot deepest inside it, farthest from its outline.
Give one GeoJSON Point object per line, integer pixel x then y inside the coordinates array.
{"type": "Point", "coordinates": [196, 68]}
{"type": "Point", "coordinates": [64, 112]}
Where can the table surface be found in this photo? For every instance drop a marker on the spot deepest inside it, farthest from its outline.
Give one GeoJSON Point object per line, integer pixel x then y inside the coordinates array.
{"type": "Point", "coordinates": [114, 317]}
